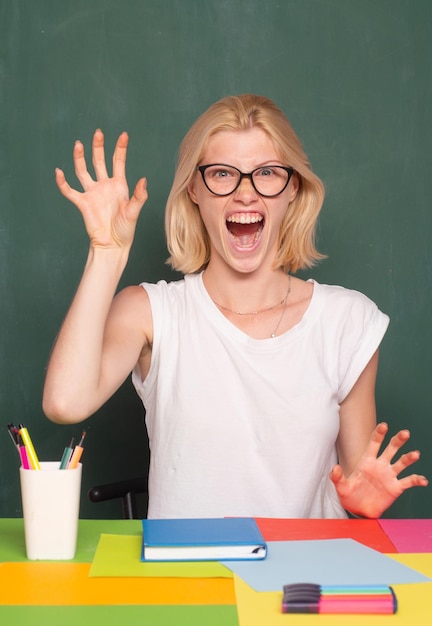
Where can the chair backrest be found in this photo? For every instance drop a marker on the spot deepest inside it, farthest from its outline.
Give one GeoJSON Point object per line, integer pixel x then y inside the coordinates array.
{"type": "Point", "coordinates": [127, 490]}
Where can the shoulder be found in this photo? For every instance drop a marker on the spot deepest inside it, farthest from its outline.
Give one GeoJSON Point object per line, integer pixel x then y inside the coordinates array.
{"type": "Point", "coordinates": [131, 297]}
{"type": "Point", "coordinates": [336, 298]}
{"type": "Point", "coordinates": [350, 313]}
{"type": "Point", "coordinates": [139, 305]}
{"type": "Point", "coordinates": [168, 293]}
{"type": "Point", "coordinates": [131, 309]}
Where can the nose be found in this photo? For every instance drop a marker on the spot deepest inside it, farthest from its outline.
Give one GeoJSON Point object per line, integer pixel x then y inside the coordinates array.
{"type": "Point", "coordinates": [246, 192]}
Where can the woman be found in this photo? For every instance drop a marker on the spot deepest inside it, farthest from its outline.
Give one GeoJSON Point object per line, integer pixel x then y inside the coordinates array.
{"type": "Point", "coordinates": [258, 386]}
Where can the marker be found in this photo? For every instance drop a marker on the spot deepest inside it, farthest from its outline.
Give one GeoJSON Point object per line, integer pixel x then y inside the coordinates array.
{"type": "Point", "coordinates": [312, 598]}
{"type": "Point", "coordinates": [371, 606]}
{"type": "Point", "coordinates": [20, 447]}
{"type": "Point", "coordinates": [23, 454]}
{"type": "Point", "coordinates": [76, 455]}
{"type": "Point", "coordinates": [31, 453]}
{"type": "Point", "coordinates": [66, 455]}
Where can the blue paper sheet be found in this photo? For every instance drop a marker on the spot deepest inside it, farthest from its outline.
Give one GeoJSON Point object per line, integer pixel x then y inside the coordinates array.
{"type": "Point", "coordinates": [325, 562]}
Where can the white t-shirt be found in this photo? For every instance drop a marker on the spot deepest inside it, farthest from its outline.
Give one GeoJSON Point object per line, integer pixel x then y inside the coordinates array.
{"type": "Point", "coordinates": [247, 427]}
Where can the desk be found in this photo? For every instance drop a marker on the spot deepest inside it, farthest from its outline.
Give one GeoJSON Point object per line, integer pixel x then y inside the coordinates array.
{"type": "Point", "coordinates": [62, 594]}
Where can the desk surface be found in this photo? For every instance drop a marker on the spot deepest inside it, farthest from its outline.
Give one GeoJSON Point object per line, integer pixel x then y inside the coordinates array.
{"type": "Point", "coordinates": [53, 593]}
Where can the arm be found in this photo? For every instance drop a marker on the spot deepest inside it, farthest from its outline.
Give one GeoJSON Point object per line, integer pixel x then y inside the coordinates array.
{"type": "Point", "coordinates": [367, 484]}
{"type": "Point", "coordinates": [101, 339]}
{"type": "Point", "coordinates": [357, 418]}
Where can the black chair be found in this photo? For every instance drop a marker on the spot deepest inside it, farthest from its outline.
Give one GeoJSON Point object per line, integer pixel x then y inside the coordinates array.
{"type": "Point", "coordinates": [127, 490]}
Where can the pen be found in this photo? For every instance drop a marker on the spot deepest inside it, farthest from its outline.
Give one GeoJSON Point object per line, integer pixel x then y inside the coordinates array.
{"type": "Point", "coordinates": [66, 455]}
{"type": "Point", "coordinates": [76, 454]}
{"type": "Point", "coordinates": [13, 435]}
{"type": "Point", "coordinates": [32, 456]}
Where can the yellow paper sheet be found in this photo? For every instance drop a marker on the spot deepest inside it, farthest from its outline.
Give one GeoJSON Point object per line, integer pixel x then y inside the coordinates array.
{"type": "Point", "coordinates": [414, 603]}
{"type": "Point", "coordinates": [420, 562]}
{"type": "Point", "coordinates": [119, 555]}
{"type": "Point", "coordinates": [55, 583]}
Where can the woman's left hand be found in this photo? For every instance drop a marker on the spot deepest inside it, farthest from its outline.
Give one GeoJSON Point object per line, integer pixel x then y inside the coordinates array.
{"type": "Point", "coordinates": [374, 485]}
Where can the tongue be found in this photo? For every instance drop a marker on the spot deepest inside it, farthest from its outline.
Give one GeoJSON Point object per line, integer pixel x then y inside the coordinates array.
{"type": "Point", "coordinates": [244, 233]}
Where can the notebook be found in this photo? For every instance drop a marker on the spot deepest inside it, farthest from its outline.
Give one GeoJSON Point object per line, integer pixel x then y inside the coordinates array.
{"type": "Point", "coordinates": [202, 539]}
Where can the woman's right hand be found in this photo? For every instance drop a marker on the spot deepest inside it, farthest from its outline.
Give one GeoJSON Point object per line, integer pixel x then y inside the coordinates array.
{"type": "Point", "coordinates": [110, 214]}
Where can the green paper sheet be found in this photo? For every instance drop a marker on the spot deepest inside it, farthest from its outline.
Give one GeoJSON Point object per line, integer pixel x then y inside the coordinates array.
{"type": "Point", "coordinates": [12, 545]}
{"type": "Point", "coordinates": [119, 555]}
{"type": "Point", "coordinates": [114, 615]}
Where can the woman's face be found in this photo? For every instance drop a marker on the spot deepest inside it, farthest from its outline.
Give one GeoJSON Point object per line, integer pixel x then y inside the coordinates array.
{"type": "Point", "coordinates": [243, 227]}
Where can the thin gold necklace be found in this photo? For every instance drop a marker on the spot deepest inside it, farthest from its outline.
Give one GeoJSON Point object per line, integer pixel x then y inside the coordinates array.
{"type": "Point", "coordinates": [283, 301]}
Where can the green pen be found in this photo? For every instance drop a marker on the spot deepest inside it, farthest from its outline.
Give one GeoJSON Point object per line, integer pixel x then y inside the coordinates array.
{"type": "Point", "coordinates": [66, 455]}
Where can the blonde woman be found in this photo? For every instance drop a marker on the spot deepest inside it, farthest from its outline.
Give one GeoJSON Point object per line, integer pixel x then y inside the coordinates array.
{"type": "Point", "coordinates": [259, 387]}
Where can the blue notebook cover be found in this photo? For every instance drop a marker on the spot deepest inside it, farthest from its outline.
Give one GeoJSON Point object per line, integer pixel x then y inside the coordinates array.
{"type": "Point", "coordinates": [202, 539]}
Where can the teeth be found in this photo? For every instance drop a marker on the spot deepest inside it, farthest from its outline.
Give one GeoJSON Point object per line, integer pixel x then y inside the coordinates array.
{"type": "Point", "coordinates": [245, 218]}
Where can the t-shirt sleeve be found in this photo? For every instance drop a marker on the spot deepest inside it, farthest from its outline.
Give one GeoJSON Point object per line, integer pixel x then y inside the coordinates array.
{"type": "Point", "coordinates": [361, 333]}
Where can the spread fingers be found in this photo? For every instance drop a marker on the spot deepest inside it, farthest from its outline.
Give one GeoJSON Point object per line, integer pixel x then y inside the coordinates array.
{"type": "Point", "coordinates": [99, 155]}
{"type": "Point", "coordinates": [81, 165]}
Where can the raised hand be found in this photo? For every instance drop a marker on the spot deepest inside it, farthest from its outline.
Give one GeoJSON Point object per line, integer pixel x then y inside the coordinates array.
{"type": "Point", "coordinates": [374, 485]}
{"type": "Point", "coordinates": [110, 214]}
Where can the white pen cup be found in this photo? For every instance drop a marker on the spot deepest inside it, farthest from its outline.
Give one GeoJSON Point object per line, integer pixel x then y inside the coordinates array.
{"type": "Point", "coordinates": [50, 499]}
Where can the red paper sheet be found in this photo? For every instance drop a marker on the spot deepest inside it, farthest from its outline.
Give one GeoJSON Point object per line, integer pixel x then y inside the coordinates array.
{"type": "Point", "coordinates": [367, 532]}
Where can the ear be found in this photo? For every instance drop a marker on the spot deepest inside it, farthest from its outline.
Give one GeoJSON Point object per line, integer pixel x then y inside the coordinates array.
{"type": "Point", "coordinates": [191, 191]}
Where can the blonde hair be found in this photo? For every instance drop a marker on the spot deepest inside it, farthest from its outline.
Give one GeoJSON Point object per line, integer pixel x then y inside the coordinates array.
{"type": "Point", "coordinates": [187, 238]}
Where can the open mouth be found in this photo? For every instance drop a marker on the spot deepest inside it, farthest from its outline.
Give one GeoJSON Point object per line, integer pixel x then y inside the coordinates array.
{"type": "Point", "coordinates": [245, 228]}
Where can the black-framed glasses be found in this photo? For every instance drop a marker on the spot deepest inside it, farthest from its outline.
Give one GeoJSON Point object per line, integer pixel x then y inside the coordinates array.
{"type": "Point", "coordinates": [268, 181]}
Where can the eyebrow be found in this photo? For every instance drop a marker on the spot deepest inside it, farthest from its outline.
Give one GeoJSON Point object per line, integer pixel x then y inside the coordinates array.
{"type": "Point", "coordinates": [265, 164]}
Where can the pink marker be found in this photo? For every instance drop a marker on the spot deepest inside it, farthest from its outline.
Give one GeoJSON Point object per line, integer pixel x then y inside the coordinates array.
{"type": "Point", "coordinates": [23, 454]}
{"type": "Point", "coordinates": [377, 606]}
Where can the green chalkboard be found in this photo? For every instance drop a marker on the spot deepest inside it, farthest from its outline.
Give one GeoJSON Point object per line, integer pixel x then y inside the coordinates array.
{"type": "Point", "coordinates": [354, 77]}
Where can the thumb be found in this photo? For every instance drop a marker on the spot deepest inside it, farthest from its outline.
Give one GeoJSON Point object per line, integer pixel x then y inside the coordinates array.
{"type": "Point", "coordinates": [337, 475]}
{"type": "Point", "coordinates": [138, 199]}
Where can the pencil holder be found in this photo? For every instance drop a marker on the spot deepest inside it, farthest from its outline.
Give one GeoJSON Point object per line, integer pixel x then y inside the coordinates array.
{"type": "Point", "coordinates": [50, 499]}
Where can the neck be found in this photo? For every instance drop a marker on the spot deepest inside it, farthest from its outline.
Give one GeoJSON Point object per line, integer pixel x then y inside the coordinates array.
{"type": "Point", "coordinates": [247, 294]}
